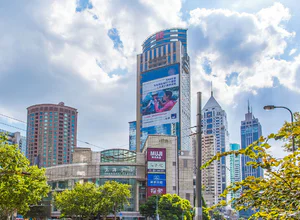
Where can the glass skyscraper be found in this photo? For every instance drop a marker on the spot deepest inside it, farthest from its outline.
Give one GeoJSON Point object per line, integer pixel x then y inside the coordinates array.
{"type": "Point", "coordinates": [214, 121]}
{"type": "Point", "coordinates": [163, 88]}
{"type": "Point", "coordinates": [250, 131]}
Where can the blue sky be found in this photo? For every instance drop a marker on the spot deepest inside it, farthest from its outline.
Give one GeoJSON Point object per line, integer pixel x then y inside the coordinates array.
{"type": "Point", "coordinates": [84, 54]}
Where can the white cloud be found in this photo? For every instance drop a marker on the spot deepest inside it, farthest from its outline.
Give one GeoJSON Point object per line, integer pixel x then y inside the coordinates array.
{"type": "Point", "coordinates": [293, 51]}
{"type": "Point", "coordinates": [244, 43]}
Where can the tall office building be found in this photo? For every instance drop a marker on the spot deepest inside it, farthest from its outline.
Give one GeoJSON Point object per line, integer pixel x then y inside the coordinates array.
{"type": "Point", "coordinates": [163, 88]}
{"type": "Point", "coordinates": [51, 134]}
{"type": "Point", "coordinates": [250, 131]}
{"type": "Point", "coordinates": [16, 138]}
{"type": "Point", "coordinates": [214, 121]}
{"type": "Point", "coordinates": [235, 168]}
{"type": "Point", "coordinates": [132, 135]}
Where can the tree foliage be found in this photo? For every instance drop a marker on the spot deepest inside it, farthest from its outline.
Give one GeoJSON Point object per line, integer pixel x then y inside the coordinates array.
{"type": "Point", "coordinates": [81, 201]}
{"type": "Point", "coordinates": [88, 201]}
{"type": "Point", "coordinates": [171, 206]}
{"type": "Point", "coordinates": [21, 185]}
{"type": "Point", "coordinates": [277, 196]}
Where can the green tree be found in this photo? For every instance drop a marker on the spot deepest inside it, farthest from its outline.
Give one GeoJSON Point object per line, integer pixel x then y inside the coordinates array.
{"type": "Point", "coordinates": [116, 195]}
{"type": "Point", "coordinates": [21, 185]}
{"type": "Point", "coordinates": [277, 196]}
{"type": "Point", "coordinates": [82, 201]}
{"type": "Point", "coordinates": [149, 208]}
{"type": "Point", "coordinates": [171, 206]}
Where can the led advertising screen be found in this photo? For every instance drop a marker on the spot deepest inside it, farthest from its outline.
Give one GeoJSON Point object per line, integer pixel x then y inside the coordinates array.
{"type": "Point", "coordinates": [160, 96]}
{"type": "Point", "coordinates": [156, 180]}
{"type": "Point", "coordinates": [156, 154]}
{"type": "Point", "coordinates": [156, 167]}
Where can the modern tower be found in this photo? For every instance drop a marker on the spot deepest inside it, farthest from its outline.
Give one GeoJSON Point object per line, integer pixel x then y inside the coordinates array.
{"type": "Point", "coordinates": [235, 168]}
{"type": "Point", "coordinates": [163, 88]}
{"type": "Point", "coordinates": [214, 122]}
{"type": "Point", "coordinates": [250, 131]}
{"type": "Point", "coordinates": [51, 134]}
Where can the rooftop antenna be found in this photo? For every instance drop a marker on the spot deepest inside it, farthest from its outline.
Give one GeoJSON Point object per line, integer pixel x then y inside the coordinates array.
{"type": "Point", "coordinates": [211, 89]}
{"type": "Point", "coordinates": [248, 106]}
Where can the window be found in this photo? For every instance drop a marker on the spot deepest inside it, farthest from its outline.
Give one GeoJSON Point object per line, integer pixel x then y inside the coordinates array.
{"type": "Point", "coordinates": [185, 163]}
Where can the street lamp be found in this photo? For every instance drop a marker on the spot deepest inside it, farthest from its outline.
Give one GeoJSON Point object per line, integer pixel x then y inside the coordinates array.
{"type": "Point", "coordinates": [271, 107]}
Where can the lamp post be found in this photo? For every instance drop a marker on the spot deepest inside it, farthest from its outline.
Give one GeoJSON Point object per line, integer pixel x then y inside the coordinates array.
{"type": "Point", "coordinates": [271, 107]}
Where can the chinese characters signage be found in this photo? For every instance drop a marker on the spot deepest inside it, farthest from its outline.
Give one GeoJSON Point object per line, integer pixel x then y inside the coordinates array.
{"type": "Point", "coordinates": [159, 35]}
{"type": "Point", "coordinates": [156, 191]}
{"type": "Point", "coordinates": [156, 180]}
{"type": "Point", "coordinates": [156, 167]}
{"type": "Point", "coordinates": [117, 171]}
{"type": "Point", "coordinates": [156, 154]}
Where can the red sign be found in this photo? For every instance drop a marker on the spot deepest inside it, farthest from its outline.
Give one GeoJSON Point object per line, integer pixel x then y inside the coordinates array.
{"type": "Point", "coordinates": [159, 35]}
{"type": "Point", "coordinates": [152, 190]}
{"type": "Point", "coordinates": [156, 154]}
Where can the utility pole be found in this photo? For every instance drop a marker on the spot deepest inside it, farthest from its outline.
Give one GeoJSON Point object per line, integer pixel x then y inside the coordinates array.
{"type": "Point", "coordinates": [198, 207]}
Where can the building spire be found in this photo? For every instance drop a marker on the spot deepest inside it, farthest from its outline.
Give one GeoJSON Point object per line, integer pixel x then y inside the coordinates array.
{"type": "Point", "coordinates": [248, 106]}
{"type": "Point", "coordinates": [211, 89]}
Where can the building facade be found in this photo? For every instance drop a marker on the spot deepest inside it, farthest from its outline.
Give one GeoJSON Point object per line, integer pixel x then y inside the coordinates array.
{"type": "Point", "coordinates": [235, 168]}
{"type": "Point", "coordinates": [251, 130]}
{"type": "Point", "coordinates": [153, 171]}
{"type": "Point", "coordinates": [214, 122]}
{"type": "Point", "coordinates": [163, 88]}
{"type": "Point", "coordinates": [51, 134]}
{"type": "Point", "coordinates": [16, 138]}
{"type": "Point", "coordinates": [132, 135]}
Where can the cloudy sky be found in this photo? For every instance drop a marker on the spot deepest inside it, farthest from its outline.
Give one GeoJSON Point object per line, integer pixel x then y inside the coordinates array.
{"type": "Point", "coordinates": [84, 53]}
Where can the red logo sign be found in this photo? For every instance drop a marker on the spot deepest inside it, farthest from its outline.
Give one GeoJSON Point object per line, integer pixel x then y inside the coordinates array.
{"type": "Point", "coordinates": [155, 191]}
{"type": "Point", "coordinates": [159, 35]}
{"type": "Point", "coordinates": [156, 154]}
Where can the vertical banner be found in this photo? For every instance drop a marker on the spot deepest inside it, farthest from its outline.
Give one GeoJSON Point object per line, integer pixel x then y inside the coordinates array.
{"type": "Point", "coordinates": [156, 171]}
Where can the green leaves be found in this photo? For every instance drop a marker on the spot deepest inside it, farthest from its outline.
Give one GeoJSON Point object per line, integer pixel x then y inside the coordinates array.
{"type": "Point", "coordinates": [277, 196]}
{"type": "Point", "coordinates": [21, 185]}
{"type": "Point", "coordinates": [87, 200]}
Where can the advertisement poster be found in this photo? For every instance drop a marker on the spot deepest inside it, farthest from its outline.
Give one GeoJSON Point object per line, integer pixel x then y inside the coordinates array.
{"type": "Point", "coordinates": [156, 167]}
{"type": "Point", "coordinates": [160, 96]}
{"type": "Point", "coordinates": [156, 154]}
{"type": "Point", "coordinates": [155, 191]}
{"type": "Point", "coordinates": [157, 180]}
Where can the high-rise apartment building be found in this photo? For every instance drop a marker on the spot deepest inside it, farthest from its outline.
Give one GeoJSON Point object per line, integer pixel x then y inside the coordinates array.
{"type": "Point", "coordinates": [235, 168]}
{"type": "Point", "coordinates": [51, 134]}
{"type": "Point", "coordinates": [209, 174]}
{"type": "Point", "coordinates": [214, 122]}
{"type": "Point", "coordinates": [16, 138]}
{"type": "Point", "coordinates": [163, 88]}
{"type": "Point", "coordinates": [132, 135]}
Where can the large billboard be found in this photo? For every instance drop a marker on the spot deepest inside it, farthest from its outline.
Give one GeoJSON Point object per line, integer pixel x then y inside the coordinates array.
{"type": "Point", "coordinates": [156, 154]}
{"type": "Point", "coordinates": [160, 96]}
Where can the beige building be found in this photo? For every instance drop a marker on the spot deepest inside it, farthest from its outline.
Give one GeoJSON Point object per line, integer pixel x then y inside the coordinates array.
{"type": "Point", "coordinates": [209, 180]}
{"type": "Point", "coordinates": [128, 167]}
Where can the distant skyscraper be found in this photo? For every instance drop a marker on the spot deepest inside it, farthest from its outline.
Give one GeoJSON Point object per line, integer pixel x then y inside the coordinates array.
{"type": "Point", "coordinates": [163, 88]}
{"type": "Point", "coordinates": [132, 135]}
{"type": "Point", "coordinates": [214, 121]}
{"type": "Point", "coordinates": [51, 134]}
{"type": "Point", "coordinates": [16, 138]}
{"type": "Point", "coordinates": [235, 168]}
{"type": "Point", "coordinates": [250, 131]}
